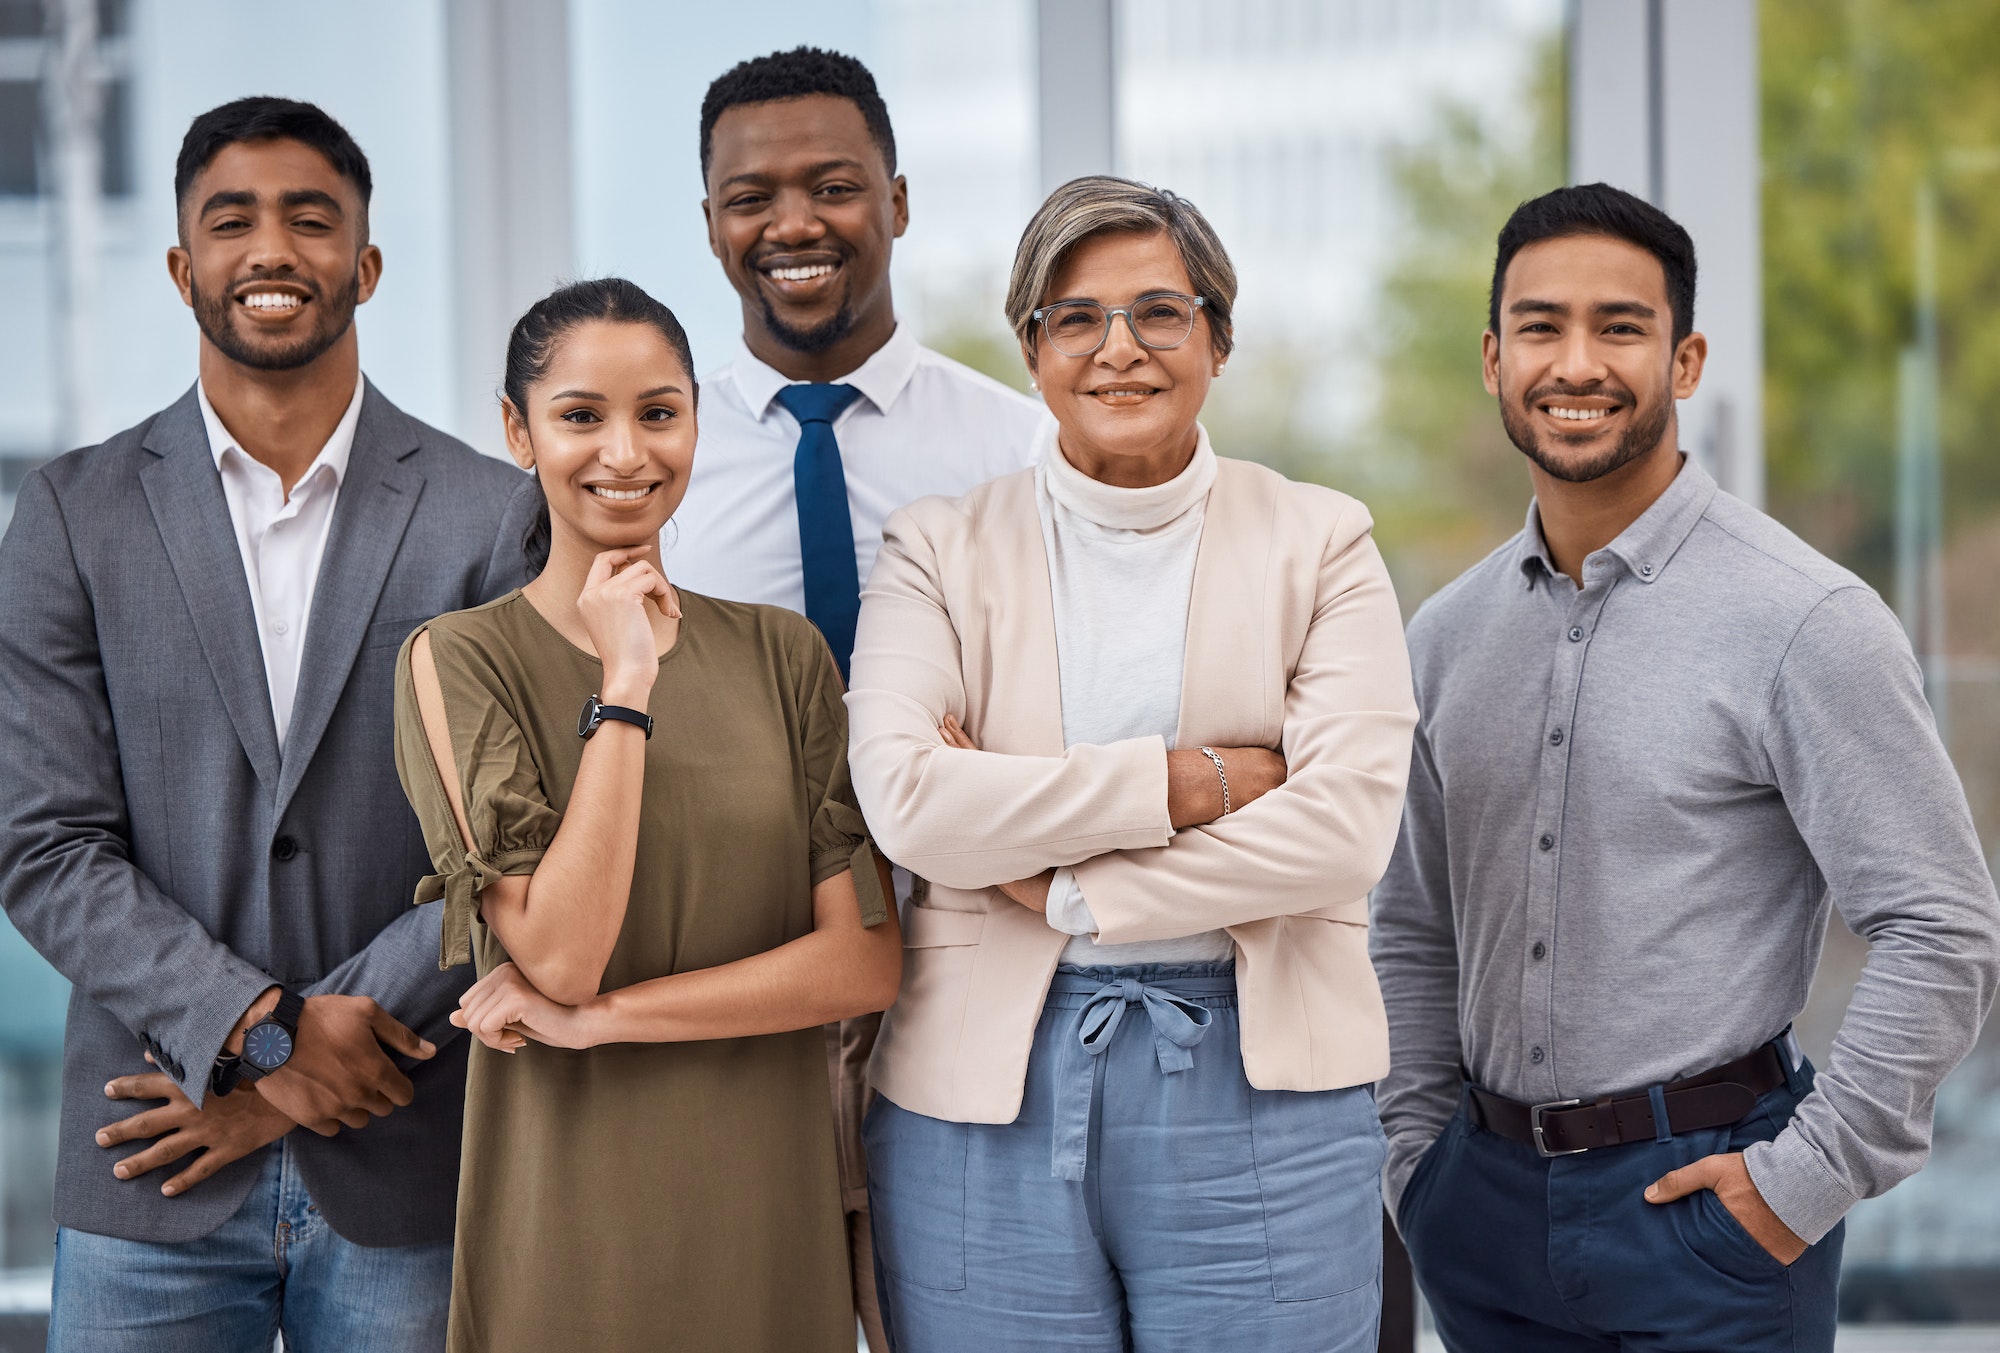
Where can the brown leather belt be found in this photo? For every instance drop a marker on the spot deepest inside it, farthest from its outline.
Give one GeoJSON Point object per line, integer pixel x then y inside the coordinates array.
{"type": "Point", "coordinates": [1565, 1127]}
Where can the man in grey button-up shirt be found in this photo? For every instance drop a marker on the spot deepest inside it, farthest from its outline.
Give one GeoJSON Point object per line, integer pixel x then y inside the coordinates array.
{"type": "Point", "coordinates": [1660, 735]}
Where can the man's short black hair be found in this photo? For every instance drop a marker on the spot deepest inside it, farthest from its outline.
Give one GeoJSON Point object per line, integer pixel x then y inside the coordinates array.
{"type": "Point", "coordinates": [1600, 209]}
{"type": "Point", "coordinates": [264, 118]}
{"type": "Point", "coordinates": [794, 75]}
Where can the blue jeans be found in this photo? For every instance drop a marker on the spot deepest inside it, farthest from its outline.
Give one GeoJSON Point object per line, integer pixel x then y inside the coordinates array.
{"type": "Point", "coordinates": [1146, 1198]}
{"type": "Point", "coordinates": [1553, 1255]}
{"type": "Point", "coordinates": [274, 1266]}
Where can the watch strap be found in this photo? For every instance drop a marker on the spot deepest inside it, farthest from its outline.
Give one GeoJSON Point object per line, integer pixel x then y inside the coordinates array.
{"type": "Point", "coordinates": [595, 713]}
{"type": "Point", "coordinates": [290, 1006]}
{"type": "Point", "coordinates": [637, 717]}
{"type": "Point", "coordinates": [224, 1075]}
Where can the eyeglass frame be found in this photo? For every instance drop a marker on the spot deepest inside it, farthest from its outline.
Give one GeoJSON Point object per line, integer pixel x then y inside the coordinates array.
{"type": "Point", "coordinates": [1198, 304]}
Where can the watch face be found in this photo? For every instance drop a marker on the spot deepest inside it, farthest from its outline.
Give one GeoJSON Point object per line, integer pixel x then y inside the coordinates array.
{"type": "Point", "coordinates": [267, 1046]}
{"type": "Point", "coordinates": [587, 720]}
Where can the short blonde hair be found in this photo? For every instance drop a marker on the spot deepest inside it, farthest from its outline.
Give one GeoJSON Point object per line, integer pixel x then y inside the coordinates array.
{"type": "Point", "coordinates": [1100, 204]}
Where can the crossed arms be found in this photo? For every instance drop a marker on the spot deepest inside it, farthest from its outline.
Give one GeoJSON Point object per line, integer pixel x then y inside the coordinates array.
{"type": "Point", "coordinates": [974, 819]}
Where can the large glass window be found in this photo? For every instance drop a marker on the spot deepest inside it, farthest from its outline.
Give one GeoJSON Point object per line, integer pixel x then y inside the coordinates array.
{"type": "Point", "coordinates": [959, 79]}
{"type": "Point", "coordinates": [24, 63]}
{"type": "Point", "coordinates": [1358, 159]}
{"type": "Point", "coordinates": [1881, 128]}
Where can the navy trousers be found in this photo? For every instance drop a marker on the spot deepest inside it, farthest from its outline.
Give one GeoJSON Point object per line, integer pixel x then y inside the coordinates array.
{"type": "Point", "coordinates": [1516, 1251]}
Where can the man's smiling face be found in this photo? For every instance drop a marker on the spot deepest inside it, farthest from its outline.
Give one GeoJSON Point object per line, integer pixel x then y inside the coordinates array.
{"type": "Point", "coordinates": [275, 254]}
{"type": "Point", "coordinates": [801, 211]}
{"type": "Point", "coordinates": [1585, 364]}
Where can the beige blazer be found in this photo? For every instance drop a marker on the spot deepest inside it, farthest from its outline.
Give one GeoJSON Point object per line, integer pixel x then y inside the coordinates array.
{"type": "Point", "coordinates": [1294, 642]}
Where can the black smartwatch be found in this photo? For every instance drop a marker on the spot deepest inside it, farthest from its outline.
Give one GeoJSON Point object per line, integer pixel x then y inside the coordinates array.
{"type": "Point", "coordinates": [594, 715]}
{"type": "Point", "coordinates": [268, 1044]}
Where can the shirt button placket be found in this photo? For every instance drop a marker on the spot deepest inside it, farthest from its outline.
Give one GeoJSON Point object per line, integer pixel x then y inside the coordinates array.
{"type": "Point", "coordinates": [1537, 977]}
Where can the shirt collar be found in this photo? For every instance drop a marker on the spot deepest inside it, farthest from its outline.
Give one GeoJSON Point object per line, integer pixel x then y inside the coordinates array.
{"type": "Point", "coordinates": [332, 458]}
{"type": "Point", "coordinates": [1648, 544]}
{"type": "Point", "coordinates": [1534, 550]}
{"type": "Point", "coordinates": [881, 379]}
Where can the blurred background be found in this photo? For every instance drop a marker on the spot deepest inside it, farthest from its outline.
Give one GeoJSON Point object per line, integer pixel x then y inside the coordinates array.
{"type": "Point", "coordinates": [1838, 162]}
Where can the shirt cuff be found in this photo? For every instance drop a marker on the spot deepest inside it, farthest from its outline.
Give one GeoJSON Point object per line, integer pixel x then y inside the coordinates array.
{"type": "Point", "coordinates": [1067, 911]}
{"type": "Point", "coordinates": [1797, 1186]}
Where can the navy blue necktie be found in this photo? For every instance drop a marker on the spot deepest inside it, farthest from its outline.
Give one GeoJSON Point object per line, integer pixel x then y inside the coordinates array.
{"type": "Point", "coordinates": [826, 529]}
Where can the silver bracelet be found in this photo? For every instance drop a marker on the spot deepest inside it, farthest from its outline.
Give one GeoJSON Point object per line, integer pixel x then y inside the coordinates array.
{"type": "Point", "coordinates": [1220, 774]}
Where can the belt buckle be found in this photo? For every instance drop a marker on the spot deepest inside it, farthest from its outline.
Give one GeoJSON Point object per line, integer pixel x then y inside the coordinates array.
{"type": "Point", "coordinates": [1535, 1113]}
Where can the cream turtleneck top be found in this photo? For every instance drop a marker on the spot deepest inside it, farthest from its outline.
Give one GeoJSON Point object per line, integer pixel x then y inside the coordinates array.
{"type": "Point", "coordinates": [1121, 568]}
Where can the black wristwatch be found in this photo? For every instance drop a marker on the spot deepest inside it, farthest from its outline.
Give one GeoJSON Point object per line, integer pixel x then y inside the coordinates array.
{"type": "Point", "coordinates": [594, 714]}
{"type": "Point", "coordinates": [267, 1045]}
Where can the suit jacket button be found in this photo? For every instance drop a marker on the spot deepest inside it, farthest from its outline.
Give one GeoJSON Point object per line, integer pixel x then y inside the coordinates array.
{"type": "Point", "coordinates": [284, 848]}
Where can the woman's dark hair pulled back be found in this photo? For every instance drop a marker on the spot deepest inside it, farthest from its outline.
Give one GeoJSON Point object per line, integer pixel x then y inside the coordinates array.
{"type": "Point", "coordinates": [531, 348]}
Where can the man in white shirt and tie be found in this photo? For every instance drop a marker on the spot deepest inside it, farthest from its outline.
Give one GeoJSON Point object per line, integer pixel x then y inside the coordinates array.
{"type": "Point", "coordinates": [832, 415]}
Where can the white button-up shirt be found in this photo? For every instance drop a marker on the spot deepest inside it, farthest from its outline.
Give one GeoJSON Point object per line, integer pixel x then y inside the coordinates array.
{"type": "Point", "coordinates": [281, 539]}
{"type": "Point", "coordinates": [924, 425]}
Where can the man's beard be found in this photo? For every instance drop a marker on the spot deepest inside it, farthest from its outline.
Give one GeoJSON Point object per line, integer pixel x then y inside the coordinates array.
{"type": "Point", "coordinates": [1641, 436]}
{"type": "Point", "coordinates": [818, 338]}
{"type": "Point", "coordinates": [216, 317]}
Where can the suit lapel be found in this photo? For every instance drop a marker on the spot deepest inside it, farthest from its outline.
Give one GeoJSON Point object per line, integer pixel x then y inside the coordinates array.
{"type": "Point", "coordinates": [1025, 695]}
{"type": "Point", "coordinates": [1225, 699]}
{"type": "Point", "coordinates": [369, 518]}
{"type": "Point", "coordinates": [184, 491]}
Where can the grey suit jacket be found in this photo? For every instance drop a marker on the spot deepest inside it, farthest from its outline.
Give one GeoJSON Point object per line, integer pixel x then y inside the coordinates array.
{"type": "Point", "coordinates": [159, 851]}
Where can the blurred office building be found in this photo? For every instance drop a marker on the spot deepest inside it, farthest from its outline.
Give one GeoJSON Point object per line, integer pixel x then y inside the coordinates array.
{"type": "Point", "coordinates": [1839, 169]}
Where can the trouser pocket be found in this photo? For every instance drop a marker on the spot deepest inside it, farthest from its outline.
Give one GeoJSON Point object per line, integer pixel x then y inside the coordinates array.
{"type": "Point", "coordinates": [1420, 1176]}
{"type": "Point", "coordinates": [916, 1194]}
{"type": "Point", "coordinates": [1319, 1172]}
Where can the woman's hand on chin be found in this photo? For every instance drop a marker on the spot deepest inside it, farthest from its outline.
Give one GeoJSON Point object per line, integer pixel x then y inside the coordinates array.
{"type": "Point", "coordinates": [503, 1010]}
{"type": "Point", "coordinates": [616, 604]}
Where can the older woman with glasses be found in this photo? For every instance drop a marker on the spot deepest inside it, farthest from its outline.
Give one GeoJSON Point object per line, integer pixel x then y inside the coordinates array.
{"type": "Point", "coordinates": [1141, 718]}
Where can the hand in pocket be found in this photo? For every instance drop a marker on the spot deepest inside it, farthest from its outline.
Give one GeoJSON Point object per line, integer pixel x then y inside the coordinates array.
{"type": "Point", "coordinates": [1729, 1178]}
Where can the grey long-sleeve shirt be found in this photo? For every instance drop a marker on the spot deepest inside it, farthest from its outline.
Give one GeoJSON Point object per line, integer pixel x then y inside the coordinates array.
{"type": "Point", "coordinates": [1629, 807]}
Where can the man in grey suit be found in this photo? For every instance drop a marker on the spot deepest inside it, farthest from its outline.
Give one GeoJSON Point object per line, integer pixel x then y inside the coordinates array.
{"type": "Point", "coordinates": [203, 830]}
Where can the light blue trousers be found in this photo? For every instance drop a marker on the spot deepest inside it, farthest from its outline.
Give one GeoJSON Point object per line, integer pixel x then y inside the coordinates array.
{"type": "Point", "coordinates": [274, 1266]}
{"type": "Point", "coordinates": [1147, 1198]}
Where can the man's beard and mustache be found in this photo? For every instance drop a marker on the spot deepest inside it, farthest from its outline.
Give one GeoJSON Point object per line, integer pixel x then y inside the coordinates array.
{"type": "Point", "coordinates": [216, 317]}
{"type": "Point", "coordinates": [1642, 434]}
{"type": "Point", "coordinates": [820, 336]}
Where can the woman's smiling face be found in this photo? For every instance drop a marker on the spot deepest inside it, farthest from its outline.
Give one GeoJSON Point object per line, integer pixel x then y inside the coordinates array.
{"type": "Point", "coordinates": [1127, 412]}
{"type": "Point", "coordinates": [610, 431]}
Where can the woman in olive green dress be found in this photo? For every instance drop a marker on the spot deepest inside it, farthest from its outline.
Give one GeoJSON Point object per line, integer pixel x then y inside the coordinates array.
{"type": "Point", "coordinates": [664, 907]}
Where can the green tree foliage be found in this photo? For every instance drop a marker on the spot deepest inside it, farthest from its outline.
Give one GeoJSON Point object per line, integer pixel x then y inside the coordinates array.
{"type": "Point", "coordinates": [1864, 103]}
{"type": "Point", "coordinates": [1445, 484]}
{"type": "Point", "coordinates": [975, 333]}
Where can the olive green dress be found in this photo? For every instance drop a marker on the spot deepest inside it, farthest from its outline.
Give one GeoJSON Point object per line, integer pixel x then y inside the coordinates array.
{"type": "Point", "coordinates": [648, 1196]}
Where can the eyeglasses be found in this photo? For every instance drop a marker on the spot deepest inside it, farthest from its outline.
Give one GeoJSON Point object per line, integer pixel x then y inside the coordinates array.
{"type": "Point", "coordinates": [1160, 319]}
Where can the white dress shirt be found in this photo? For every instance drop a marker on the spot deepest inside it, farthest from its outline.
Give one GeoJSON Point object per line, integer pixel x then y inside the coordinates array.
{"type": "Point", "coordinates": [281, 539]}
{"type": "Point", "coordinates": [1121, 573]}
{"type": "Point", "coordinates": [924, 425]}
